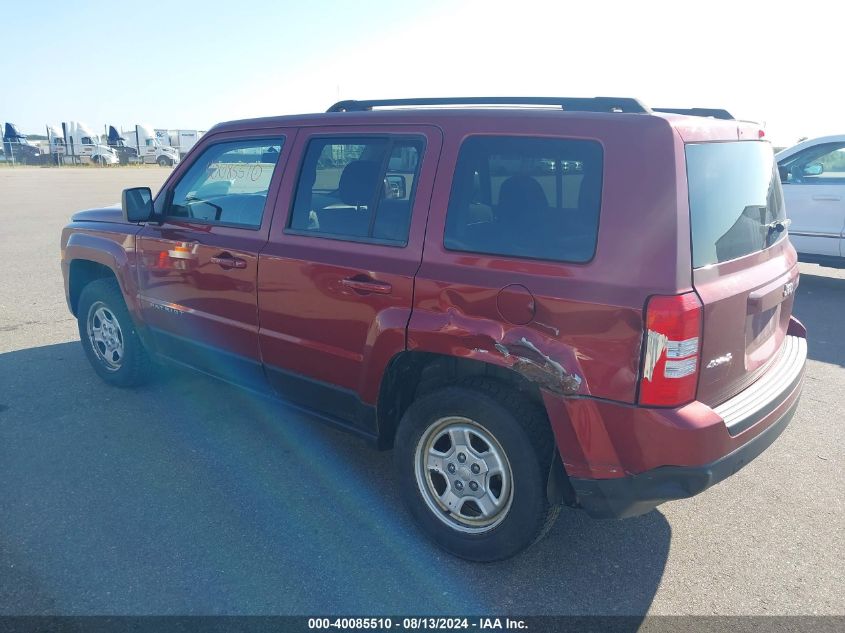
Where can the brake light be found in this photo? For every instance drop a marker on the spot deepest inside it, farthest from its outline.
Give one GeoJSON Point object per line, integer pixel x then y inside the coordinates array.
{"type": "Point", "coordinates": [671, 354]}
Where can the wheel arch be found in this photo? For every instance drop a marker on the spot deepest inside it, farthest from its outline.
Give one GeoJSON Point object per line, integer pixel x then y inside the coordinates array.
{"type": "Point", "coordinates": [410, 374]}
{"type": "Point", "coordinates": [86, 257]}
{"type": "Point", "coordinates": [82, 272]}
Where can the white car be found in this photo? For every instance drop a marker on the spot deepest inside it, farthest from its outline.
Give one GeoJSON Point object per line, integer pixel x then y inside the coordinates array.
{"type": "Point", "coordinates": [813, 178]}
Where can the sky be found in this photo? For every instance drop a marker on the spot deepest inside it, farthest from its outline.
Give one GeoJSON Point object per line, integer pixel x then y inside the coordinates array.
{"type": "Point", "coordinates": [188, 64]}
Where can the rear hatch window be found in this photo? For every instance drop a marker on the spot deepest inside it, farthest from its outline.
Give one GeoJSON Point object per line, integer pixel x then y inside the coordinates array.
{"type": "Point", "coordinates": [743, 269]}
{"type": "Point", "coordinates": [735, 199]}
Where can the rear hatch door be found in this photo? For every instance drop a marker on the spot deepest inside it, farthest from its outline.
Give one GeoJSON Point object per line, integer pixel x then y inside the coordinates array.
{"type": "Point", "coordinates": [744, 269]}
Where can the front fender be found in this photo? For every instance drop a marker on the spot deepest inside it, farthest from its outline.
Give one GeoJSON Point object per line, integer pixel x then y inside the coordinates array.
{"type": "Point", "coordinates": [109, 248]}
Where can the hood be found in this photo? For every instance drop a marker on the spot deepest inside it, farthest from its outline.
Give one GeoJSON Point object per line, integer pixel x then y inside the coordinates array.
{"type": "Point", "coordinates": [112, 214]}
{"type": "Point", "coordinates": [23, 149]}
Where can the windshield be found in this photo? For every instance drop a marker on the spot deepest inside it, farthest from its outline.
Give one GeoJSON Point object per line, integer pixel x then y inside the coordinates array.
{"type": "Point", "coordinates": [735, 200]}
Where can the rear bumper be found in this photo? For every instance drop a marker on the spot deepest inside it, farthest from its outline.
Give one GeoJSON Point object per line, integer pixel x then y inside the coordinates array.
{"type": "Point", "coordinates": [624, 460]}
{"type": "Point", "coordinates": [637, 494]}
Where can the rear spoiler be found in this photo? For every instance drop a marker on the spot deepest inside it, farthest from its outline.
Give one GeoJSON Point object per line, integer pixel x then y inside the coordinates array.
{"type": "Point", "coordinates": [715, 113]}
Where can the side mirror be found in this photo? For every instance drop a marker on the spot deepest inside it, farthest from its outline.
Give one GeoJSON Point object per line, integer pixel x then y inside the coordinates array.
{"type": "Point", "coordinates": [813, 169]}
{"type": "Point", "coordinates": [137, 204]}
{"type": "Point", "coordinates": [784, 174]}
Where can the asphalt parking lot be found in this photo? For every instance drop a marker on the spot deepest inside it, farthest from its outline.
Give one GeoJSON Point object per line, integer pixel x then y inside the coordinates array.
{"type": "Point", "coordinates": [190, 497]}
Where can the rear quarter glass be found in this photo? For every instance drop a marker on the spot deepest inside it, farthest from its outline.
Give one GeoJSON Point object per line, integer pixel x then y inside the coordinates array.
{"type": "Point", "coordinates": [735, 195]}
{"type": "Point", "coordinates": [527, 197]}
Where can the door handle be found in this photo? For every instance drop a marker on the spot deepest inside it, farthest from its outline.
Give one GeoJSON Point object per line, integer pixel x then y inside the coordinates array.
{"type": "Point", "coordinates": [367, 285]}
{"type": "Point", "coordinates": [831, 197]}
{"type": "Point", "coordinates": [226, 261]}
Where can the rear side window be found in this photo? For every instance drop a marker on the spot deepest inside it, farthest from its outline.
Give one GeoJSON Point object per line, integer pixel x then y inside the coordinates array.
{"type": "Point", "coordinates": [735, 199]}
{"type": "Point", "coordinates": [526, 197]}
{"type": "Point", "coordinates": [358, 189]}
{"type": "Point", "coordinates": [227, 183]}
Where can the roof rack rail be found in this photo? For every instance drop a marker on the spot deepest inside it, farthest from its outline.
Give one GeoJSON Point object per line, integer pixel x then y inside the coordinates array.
{"type": "Point", "coordinates": [578, 104]}
{"type": "Point", "coordinates": [716, 113]}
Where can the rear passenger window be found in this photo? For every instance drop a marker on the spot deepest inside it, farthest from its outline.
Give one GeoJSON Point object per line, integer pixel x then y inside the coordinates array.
{"type": "Point", "coordinates": [358, 189]}
{"type": "Point", "coordinates": [526, 197]}
{"type": "Point", "coordinates": [227, 184]}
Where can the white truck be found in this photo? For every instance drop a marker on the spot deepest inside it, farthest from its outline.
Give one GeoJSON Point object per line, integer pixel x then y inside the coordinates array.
{"type": "Point", "coordinates": [182, 140]}
{"type": "Point", "coordinates": [150, 147]}
{"type": "Point", "coordinates": [813, 178]}
{"type": "Point", "coordinates": [78, 144]}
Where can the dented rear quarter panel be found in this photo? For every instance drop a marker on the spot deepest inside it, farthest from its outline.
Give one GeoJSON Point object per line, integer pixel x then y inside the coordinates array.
{"type": "Point", "coordinates": [587, 317]}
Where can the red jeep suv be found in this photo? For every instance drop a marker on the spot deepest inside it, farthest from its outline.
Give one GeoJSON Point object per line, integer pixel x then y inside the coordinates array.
{"type": "Point", "coordinates": [561, 301]}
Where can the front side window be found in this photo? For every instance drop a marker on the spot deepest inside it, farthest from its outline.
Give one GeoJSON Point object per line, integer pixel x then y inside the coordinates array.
{"type": "Point", "coordinates": [227, 183]}
{"type": "Point", "coordinates": [819, 165]}
{"type": "Point", "coordinates": [358, 189]}
{"type": "Point", "coordinates": [536, 198]}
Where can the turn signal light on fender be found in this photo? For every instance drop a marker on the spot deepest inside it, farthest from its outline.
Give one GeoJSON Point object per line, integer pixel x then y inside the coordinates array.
{"type": "Point", "coordinates": [670, 363]}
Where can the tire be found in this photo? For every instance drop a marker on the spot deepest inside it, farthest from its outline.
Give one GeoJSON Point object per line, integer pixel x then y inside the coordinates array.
{"type": "Point", "coordinates": [497, 430]}
{"type": "Point", "coordinates": [119, 357]}
{"type": "Point", "coordinates": [164, 161]}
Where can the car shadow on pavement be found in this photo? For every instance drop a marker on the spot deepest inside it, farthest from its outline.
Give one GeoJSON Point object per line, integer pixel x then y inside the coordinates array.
{"type": "Point", "coordinates": [820, 306]}
{"type": "Point", "coordinates": [188, 496]}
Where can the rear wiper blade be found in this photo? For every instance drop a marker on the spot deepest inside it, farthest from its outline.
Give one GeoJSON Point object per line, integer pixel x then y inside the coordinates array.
{"type": "Point", "coordinates": [778, 225]}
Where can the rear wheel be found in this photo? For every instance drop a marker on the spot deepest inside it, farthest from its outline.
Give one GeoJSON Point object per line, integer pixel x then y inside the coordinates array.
{"type": "Point", "coordinates": [472, 463]}
{"type": "Point", "coordinates": [108, 335]}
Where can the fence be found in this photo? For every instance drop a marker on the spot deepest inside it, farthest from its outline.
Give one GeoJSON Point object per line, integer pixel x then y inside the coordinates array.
{"type": "Point", "coordinates": [81, 147]}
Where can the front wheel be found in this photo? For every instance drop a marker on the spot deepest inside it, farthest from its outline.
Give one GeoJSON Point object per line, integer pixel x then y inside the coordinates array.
{"type": "Point", "coordinates": [473, 462]}
{"type": "Point", "coordinates": [164, 161]}
{"type": "Point", "coordinates": [108, 335]}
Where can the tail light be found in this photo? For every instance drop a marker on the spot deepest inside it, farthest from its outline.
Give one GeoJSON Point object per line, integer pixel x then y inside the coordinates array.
{"type": "Point", "coordinates": [671, 354]}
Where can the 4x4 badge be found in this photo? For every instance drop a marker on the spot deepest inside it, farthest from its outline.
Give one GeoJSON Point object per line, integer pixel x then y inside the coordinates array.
{"type": "Point", "coordinates": [721, 360]}
{"type": "Point", "coordinates": [788, 288]}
